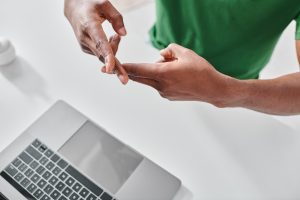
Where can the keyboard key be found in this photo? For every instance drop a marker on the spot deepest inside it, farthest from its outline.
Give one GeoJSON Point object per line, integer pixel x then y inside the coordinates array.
{"type": "Point", "coordinates": [35, 178]}
{"type": "Point", "coordinates": [70, 181]}
{"type": "Point", "coordinates": [50, 165]}
{"type": "Point", "coordinates": [48, 153]}
{"type": "Point", "coordinates": [56, 171]}
{"type": "Point", "coordinates": [25, 157]}
{"type": "Point", "coordinates": [19, 177]}
{"type": "Point", "coordinates": [48, 189]}
{"type": "Point", "coordinates": [53, 180]}
{"type": "Point", "coordinates": [67, 191]}
{"type": "Point", "coordinates": [55, 158]}
{"type": "Point", "coordinates": [84, 181]}
{"type": "Point", "coordinates": [31, 188]}
{"type": "Point", "coordinates": [36, 143]}
{"type": "Point", "coordinates": [22, 167]}
{"type": "Point", "coordinates": [38, 193]}
{"type": "Point", "coordinates": [62, 198]}
{"type": "Point", "coordinates": [44, 160]}
{"type": "Point", "coordinates": [25, 182]}
{"type": "Point", "coordinates": [34, 165]}
{"type": "Point", "coordinates": [29, 172]}
{"type": "Point", "coordinates": [34, 153]}
{"type": "Point", "coordinates": [74, 196]}
{"type": "Point", "coordinates": [84, 192]}
{"type": "Point", "coordinates": [91, 197]}
{"type": "Point", "coordinates": [16, 162]}
{"type": "Point", "coordinates": [106, 196]}
{"type": "Point", "coordinates": [63, 176]}
{"type": "Point", "coordinates": [12, 171]}
{"type": "Point", "coordinates": [42, 183]}
{"type": "Point", "coordinates": [40, 170]}
{"type": "Point", "coordinates": [55, 194]}
{"type": "Point", "coordinates": [46, 175]}
{"type": "Point", "coordinates": [62, 163]}
{"type": "Point", "coordinates": [60, 186]}
{"type": "Point", "coordinates": [45, 197]}
{"type": "Point", "coordinates": [77, 187]}
{"type": "Point", "coordinates": [42, 148]}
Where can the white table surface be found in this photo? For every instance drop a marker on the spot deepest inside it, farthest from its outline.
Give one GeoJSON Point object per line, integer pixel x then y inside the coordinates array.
{"type": "Point", "coordinates": [217, 153]}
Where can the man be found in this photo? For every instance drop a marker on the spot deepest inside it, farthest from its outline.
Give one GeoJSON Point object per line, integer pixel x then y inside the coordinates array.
{"type": "Point", "coordinates": [234, 38]}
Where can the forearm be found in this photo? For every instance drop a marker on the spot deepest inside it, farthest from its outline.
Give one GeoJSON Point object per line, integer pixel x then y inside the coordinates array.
{"type": "Point", "coordinates": [280, 96]}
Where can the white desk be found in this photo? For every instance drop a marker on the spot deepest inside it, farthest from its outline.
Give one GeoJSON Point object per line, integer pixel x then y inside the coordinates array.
{"type": "Point", "coordinates": [218, 154]}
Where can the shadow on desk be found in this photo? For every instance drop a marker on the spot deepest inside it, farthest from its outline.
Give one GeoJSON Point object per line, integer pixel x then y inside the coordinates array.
{"type": "Point", "coordinates": [25, 79]}
{"type": "Point", "coordinates": [184, 194]}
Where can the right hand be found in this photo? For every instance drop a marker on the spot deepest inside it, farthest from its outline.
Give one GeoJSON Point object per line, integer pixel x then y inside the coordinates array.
{"type": "Point", "coordinates": [86, 18]}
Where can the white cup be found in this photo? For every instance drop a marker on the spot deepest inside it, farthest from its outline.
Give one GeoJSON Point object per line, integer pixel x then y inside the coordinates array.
{"type": "Point", "coordinates": [7, 52]}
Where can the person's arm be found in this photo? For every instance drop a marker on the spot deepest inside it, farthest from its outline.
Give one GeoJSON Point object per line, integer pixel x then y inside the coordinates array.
{"type": "Point", "coordinates": [185, 76]}
{"type": "Point", "coordinates": [298, 49]}
{"type": "Point", "coordinates": [86, 18]}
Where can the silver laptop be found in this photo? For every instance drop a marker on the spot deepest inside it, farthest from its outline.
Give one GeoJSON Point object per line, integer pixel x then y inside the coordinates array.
{"type": "Point", "coordinates": [64, 155]}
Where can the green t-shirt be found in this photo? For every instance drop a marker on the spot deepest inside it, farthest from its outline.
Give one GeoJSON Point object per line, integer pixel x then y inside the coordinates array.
{"type": "Point", "coordinates": [236, 36]}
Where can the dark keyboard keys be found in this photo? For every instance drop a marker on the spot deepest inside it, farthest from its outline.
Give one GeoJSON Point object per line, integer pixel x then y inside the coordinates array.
{"type": "Point", "coordinates": [31, 188]}
{"type": "Point", "coordinates": [91, 197]}
{"type": "Point", "coordinates": [38, 193]}
{"type": "Point", "coordinates": [35, 178]}
{"type": "Point", "coordinates": [42, 148]}
{"type": "Point", "coordinates": [48, 153]}
{"type": "Point", "coordinates": [19, 177]}
{"type": "Point", "coordinates": [84, 192]}
{"type": "Point", "coordinates": [63, 176]}
{"type": "Point", "coordinates": [74, 196]}
{"type": "Point", "coordinates": [53, 180]}
{"type": "Point", "coordinates": [29, 172]}
{"type": "Point", "coordinates": [16, 162]}
{"type": "Point", "coordinates": [62, 198]}
{"type": "Point", "coordinates": [67, 191]}
{"type": "Point", "coordinates": [36, 143]}
{"type": "Point", "coordinates": [48, 189]}
{"type": "Point", "coordinates": [11, 170]}
{"type": "Point", "coordinates": [77, 187]}
{"type": "Point", "coordinates": [55, 158]}
{"type": "Point", "coordinates": [44, 160]}
{"type": "Point", "coordinates": [22, 167]}
{"type": "Point", "coordinates": [40, 170]}
{"type": "Point", "coordinates": [70, 181]}
{"type": "Point", "coordinates": [45, 197]}
{"type": "Point", "coordinates": [34, 165]}
{"type": "Point", "coordinates": [25, 182]}
{"type": "Point", "coordinates": [106, 196]}
{"type": "Point", "coordinates": [55, 194]}
{"type": "Point", "coordinates": [46, 175]}
{"type": "Point", "coordinates": [50, 165]}
{"type": "Point", "coordinates": [34, 153]}
{"type": "Point", "coordinates": [25, 157]}
{"type": "Point", "coordinates": [42, 183]}
{"type": "Point", "coordinates": [56, 171]}
{"type": "Point", "coordinates": [60, 186]}
{"type": "Point", "coordinates": [62, 164]}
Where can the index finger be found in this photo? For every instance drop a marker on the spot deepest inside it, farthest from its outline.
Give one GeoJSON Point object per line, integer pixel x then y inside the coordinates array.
{"type": "Point", "coordinates": [101, 45]}
{"type": "Point", "coordinates": [144, 70]}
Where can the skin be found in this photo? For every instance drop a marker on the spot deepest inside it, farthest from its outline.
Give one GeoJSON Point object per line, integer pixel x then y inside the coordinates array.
{"type": "Point", "coordinates": [181, 75]}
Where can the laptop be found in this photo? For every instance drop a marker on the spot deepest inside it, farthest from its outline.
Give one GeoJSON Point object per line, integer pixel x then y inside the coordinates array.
{"type": "Point", "coordinates": [65, 156]}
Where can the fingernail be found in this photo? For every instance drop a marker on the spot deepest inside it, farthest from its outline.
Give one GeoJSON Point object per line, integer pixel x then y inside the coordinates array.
{"type": "Point", "coordinates": [122, 31]}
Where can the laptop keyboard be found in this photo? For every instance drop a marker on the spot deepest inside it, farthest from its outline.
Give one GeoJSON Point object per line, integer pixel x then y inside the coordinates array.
{"type": "Point", "coordinates": [40, 174]}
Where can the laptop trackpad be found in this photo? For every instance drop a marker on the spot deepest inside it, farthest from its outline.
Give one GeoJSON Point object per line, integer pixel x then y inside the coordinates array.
{"type": "Point", "coordinates": [101, 157]}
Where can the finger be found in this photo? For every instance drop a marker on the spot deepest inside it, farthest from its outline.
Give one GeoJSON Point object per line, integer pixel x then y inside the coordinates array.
{"type": "Point", "coordinates": [101, 45]}
{"type": "Point", "coordinates": [121, 73]}
{"type": "Point", "coordinates": [86, 50]}
{"type": "Point", "coordinates": [114, 17]}
{"type": "Point", "coordinates": [114, 42]}
{"type": "Point", "coordinates": [173, 51]}
{"type": "Point", "coordinates": [144, 70]}
{"type": "Point", "coordinates": [145, 81]}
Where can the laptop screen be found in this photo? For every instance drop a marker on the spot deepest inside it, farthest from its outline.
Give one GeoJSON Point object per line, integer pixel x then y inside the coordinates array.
{"type": "Point", "coordinates": [101, 157]}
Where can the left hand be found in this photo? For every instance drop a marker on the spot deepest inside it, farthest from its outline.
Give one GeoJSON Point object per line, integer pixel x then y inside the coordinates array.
{"type": "Point", "coordinates": [182, 75]}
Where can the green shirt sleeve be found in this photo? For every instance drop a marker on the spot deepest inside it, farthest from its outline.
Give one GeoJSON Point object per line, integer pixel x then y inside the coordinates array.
{"type": "Point", "coordinates": [298, 28]}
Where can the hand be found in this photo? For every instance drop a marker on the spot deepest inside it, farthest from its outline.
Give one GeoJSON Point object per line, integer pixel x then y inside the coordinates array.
{"type": "Point", "coordinates": [86, 18]}
{"type": "Point", "coordinates": [184, 76]}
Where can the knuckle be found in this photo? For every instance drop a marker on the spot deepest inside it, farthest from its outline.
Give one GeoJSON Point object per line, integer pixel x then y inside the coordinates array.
{"type": "Point", "coordinates": [172, 45]}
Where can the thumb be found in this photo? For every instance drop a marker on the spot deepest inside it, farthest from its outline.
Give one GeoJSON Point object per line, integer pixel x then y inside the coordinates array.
{"type": "Point", "coordinates": [173, 51]}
